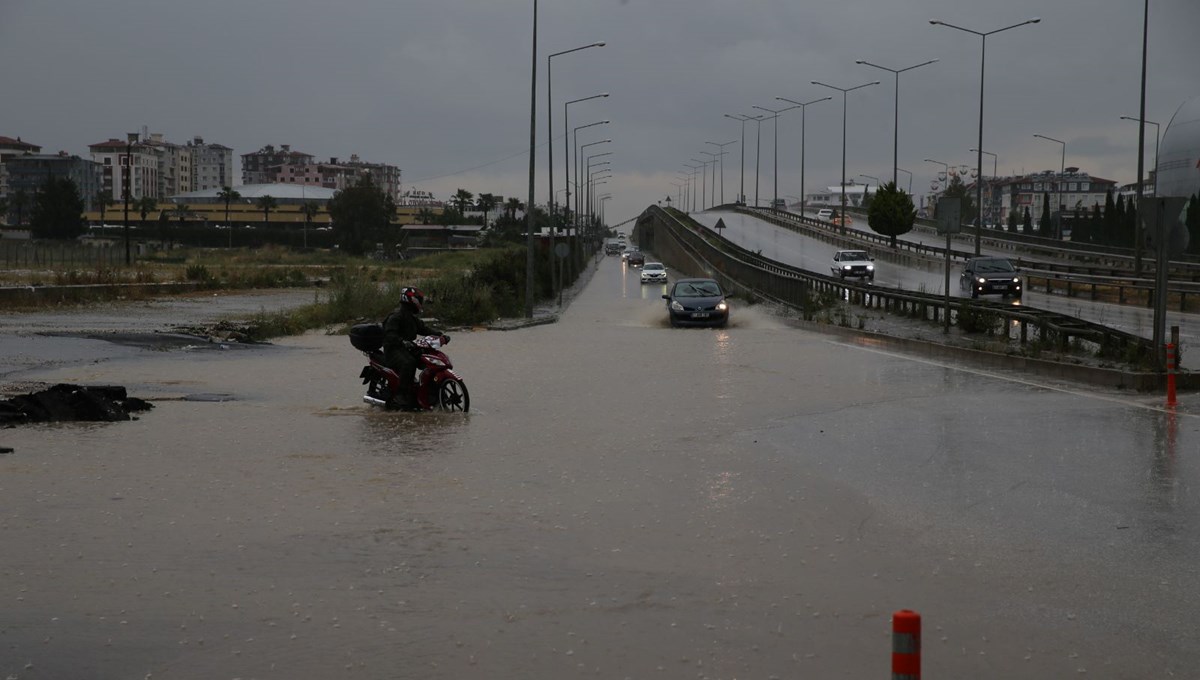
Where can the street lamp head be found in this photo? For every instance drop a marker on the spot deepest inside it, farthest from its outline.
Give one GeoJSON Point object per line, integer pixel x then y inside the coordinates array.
{"type": "Point", "coordinates": [598, 44]}
{"type": "Point", "coordinates": [935, 22]}
{"type": "Point", "coordinates": [1034, 20]}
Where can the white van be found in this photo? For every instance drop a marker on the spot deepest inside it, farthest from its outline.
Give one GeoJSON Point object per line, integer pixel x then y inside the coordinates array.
{"type": "Point", "coordinates": [825, 213]}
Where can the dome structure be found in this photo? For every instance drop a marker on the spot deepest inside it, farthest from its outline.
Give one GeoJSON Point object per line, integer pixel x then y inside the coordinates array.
{"type": "Point", "coordinates": [1179, 158]}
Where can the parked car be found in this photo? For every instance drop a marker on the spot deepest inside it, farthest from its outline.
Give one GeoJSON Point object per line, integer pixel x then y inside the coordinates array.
{"type": "Point", "coordinates": [636, 258]}
{"type": "Point", "coordinates": [697, 302]}
{"type": "Point", "coordinates": [856, 263]}
{"type": "Point", "coordinates": [987, 275]}
{"type": "Point", "coordinates": [654, 272]}
{"type": "Point", "coordinates": [824, 213]}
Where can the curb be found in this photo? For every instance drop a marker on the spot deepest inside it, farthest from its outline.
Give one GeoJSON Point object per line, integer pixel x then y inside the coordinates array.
{"type": "Point", "coordinates": [518, 324]}
{"type": "Point", "coordinates": [1078, 373]}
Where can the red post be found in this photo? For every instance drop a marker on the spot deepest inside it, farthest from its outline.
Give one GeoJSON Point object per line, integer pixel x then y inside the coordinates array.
{"type": "Point", "coordinates": [1170, 374]}
{"type": "Point", "coordinates": [906, 645]}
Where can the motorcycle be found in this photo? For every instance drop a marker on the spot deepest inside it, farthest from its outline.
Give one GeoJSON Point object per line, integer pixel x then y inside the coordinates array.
{"type": "Point", "coordinates": [438, 386]}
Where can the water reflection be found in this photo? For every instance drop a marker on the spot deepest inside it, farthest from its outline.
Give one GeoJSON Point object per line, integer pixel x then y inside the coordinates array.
{"type": "Point", "coordinates": [1163, 485]}
{"type": "Point", "coordinates": [395, 433]}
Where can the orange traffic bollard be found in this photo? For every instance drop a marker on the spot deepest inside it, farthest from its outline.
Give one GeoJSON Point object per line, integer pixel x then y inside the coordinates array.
{"type": "Point", "coordinates": [906, 645]}
{"type": "Point", "coordinates": [1170, 374]}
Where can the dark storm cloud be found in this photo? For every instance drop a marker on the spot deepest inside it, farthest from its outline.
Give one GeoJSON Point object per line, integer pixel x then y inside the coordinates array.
{"type": "Point", "coordinates": [441, 87]}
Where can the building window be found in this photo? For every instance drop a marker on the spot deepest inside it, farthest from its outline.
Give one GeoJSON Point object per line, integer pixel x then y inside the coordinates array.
{"type": "Point", "coordinates": [1083, 186]}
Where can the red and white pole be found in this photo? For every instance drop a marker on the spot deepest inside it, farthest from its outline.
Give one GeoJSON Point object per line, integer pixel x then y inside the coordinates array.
{"type": "Point", "coordinates": [906, 645]}
{"type": "Point", "coordinates": [1170, 374]}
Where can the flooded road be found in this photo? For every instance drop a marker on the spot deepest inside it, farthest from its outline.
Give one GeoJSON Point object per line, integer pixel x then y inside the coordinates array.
{"type": "Point", "coordinates": [624, 500]}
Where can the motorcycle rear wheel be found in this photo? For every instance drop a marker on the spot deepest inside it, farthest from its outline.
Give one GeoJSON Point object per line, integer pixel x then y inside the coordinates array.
{"type": "Point", "coordinates": [452, 395]}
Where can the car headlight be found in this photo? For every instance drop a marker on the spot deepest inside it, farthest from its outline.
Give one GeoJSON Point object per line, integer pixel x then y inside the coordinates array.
{"type": "Point", "coordinates": [870, 267]}
{"type": "Point", "coordinates": [1016, 280]}
{"type": "Point", "coordinates": [846, 267]}
{"type": "Point", "coordinates": [721, 306]}
{"type": "Point", "coordinates": [676, 306]}
{"type": "Point", "coordinates": [982, 280]}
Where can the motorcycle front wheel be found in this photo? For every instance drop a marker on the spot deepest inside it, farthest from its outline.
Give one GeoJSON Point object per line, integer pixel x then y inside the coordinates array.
{"type": "Point", "coordinates": [452, 395]}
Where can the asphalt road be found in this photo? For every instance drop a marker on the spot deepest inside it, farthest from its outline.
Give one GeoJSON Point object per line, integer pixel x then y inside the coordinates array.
{"type": "Point", "coordinates": [625, 500]}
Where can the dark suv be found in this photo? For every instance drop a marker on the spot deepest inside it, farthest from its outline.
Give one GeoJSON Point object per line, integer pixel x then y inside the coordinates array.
{"type": "Point", "coordinates": [636, 259]}
{"type": "Point", "coordinates": [986, 275]}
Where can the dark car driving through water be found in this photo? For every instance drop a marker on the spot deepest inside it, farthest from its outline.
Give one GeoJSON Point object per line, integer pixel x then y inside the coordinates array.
{"type": "Point", "coordinates": [697, 302]}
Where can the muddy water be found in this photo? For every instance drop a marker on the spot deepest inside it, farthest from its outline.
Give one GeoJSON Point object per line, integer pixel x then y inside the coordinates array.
{"type": "Point", "coordinates": [624, 500]}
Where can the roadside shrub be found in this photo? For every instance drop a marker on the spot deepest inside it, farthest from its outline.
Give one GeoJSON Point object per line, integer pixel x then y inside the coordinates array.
{"type": "Point", "coordinates": [198, 272]}
{"type": "Point", "coordinates": [972, 319]}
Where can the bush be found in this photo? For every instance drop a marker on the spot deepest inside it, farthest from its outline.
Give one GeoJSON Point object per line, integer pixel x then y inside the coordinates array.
{"type": "Point", "coordinates": [972, 319]}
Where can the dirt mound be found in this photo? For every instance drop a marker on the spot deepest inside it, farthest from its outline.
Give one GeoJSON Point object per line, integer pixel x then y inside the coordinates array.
{"type": "Point", "coordinates": [64, 402]}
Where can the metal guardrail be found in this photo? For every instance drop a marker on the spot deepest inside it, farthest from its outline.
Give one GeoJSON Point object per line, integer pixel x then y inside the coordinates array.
{"type": "Point", "coordinates": [795, 287]}
{"type": "Point", "coordinates": [1120, 259]}
{"type": "Point", "coordinates": [1101, 284]}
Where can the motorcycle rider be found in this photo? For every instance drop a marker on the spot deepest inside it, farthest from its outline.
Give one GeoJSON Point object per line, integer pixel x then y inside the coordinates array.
{"type": "Point", "coordinates": [399, 330]}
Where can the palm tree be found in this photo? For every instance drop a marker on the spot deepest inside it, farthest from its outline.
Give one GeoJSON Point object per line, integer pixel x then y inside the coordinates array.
{"type": "Point", "coordinates": [266, 204]}
{"type": "Point", "coordinates": [425, 215]}
{"type": "Point", "coordinates": [511, 206]}
{"type": "Point", "coordinates": [103, 199]}
{"type": "Point", "coordinates": [462, 200]}
{"type": "Point", "coordinates": [228, 195]}
{"type": "Point", "coordinates": [486, 204]}
{"type": "Point", "coordinates": [146, 205]}
{"type": "Point", "coordinates": [310, 210]}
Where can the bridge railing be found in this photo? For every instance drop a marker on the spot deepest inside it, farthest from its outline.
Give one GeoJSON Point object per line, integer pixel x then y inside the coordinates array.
{"type": "Point", "coordinates": [1104, 284]}
{"type": "Point", "coordinates": [671, 233]}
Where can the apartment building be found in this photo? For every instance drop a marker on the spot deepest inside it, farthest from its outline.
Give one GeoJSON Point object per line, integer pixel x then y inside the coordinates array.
{"type": "Point", "coordinates": [10, 148]}
{"type": "Point", "coordinates": [1069, 191]}
{"type": "Point", "coordinates": [142, 161]}
{"type": "Point", "coordinates": [212, 165]}
{"type": "Point", "coordinates": [284, 166]}
{"type": "Point", "coordinates": [29, 172]}
{"type": "Point", "coordinates": [263, 166]}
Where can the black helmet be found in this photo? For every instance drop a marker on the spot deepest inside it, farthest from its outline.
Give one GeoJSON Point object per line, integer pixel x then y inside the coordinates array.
{"type": "Point", "coordinates": [413, 297]}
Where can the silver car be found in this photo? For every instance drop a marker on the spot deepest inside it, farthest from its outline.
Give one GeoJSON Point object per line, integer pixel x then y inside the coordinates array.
{"type": "Point", "coordinates": [654, 272]}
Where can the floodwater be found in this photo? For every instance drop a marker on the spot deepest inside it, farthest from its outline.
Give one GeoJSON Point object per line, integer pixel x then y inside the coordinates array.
{"type": "Point", "coordinates": [624, 500]}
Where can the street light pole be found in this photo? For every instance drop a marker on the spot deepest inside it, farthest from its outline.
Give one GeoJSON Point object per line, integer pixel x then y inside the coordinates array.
{"type": "Point", "coordinates": [130, 139]}
{"type": "Point", "coordinates": [1156, 139]}
{"type": "Point", "coordinates": [573, 224]}
{"type": "Point", "coordinates": [743, 119]}
{"type": "Point", "coordinates": [803, 114]}
{"type": "Point", "coordinates": [775, 155]}
{"type": "Point", "coordinates": [703, 182]}
{"type": "Point", "coordinates": [991, 188]}
{"type": "Point", "coordinates": [693, 169]}
{"type": "Point", "coordinates": [582, 198]}
{"type": "Point", "coordinates": [896, 124]}
{"type": "Point", "coordinates": [982, 61]}
{"type": "Point", "coordinates": [714, 159]}
{"type": "Point", "coordinates": [1061, 173]}
{"type": "Point", "coordinates": [532, 166]}
{"type": "Point", "coordinates": [844, 91]}
{"type": "Point", "coordinates": [551, 202]}
{"type": "Point", "coordinates": [721, 154]}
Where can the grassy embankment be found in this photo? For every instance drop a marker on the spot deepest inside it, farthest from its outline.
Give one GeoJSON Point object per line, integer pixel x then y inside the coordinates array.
{"type": "Point", "coordinates": [466, 287]}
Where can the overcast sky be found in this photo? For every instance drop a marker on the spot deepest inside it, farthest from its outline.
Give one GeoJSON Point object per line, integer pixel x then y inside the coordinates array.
{"type": "Point", "coordinates": [441, 88]}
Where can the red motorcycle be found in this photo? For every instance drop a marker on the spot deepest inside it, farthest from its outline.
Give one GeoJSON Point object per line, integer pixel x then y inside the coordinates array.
{"type": "Point", "coordinates": [438, 386]}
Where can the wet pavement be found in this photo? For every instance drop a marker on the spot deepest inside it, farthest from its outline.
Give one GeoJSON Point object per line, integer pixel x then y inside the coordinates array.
{"type": "Point", "coordinates": [624, 500]}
